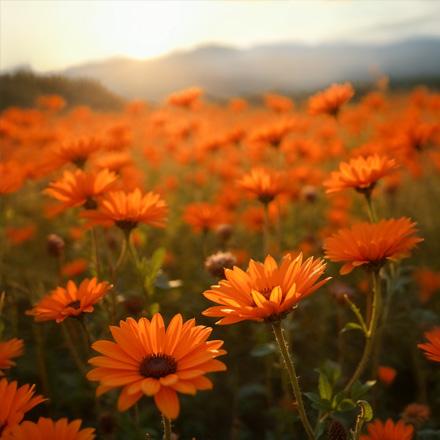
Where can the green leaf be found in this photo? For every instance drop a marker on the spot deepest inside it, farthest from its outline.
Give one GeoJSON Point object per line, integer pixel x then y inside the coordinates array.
{"type": "Point", "coordinates": [352, 326]}
{"type": "Point", "coordinates": [358, 389]}
{"type": "Point", "coordinates": [325, 389]}
{"type": "Point", "coordinates": [346, 405]}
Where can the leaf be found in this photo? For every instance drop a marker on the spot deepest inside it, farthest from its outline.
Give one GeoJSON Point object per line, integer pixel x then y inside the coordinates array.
{"type": "Point", "coordinates": [325, 389]}
{"type": "Point", "coordinates": [346, 405]}
{"type": "Point", "coordinates": [358, 389]}
{"type": "Point", "coordinates": [352, 326]}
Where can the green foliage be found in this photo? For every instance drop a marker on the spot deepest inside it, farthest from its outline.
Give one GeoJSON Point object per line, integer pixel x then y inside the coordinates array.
{"type": "Point", "coordinates": [22, 88]}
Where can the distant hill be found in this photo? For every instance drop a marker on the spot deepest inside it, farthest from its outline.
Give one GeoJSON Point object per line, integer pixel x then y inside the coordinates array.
{"type": "Point", "coordinates": [227, 71]}
{"type": "Point", "coordinates": [22, 88]}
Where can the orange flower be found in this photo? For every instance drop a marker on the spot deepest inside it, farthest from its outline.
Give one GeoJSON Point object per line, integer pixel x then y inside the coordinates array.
{"type": "Point", "coordinates": [185, 98]}
{"type": "Point", "coordinates": [149, 359]}
{"type": "Point", "coordinates": [416, 414]}
{"type": "Point", "coordinates": [126, 210]}
{"type": "Point", "coordinates": [15, 402]}
{"type": "Point", "coordinates": [360, 174]}
{"type": "Point", "coordinates": [377, 430]}
{"type": "Point", "coordinates": [48, 429]}
{"type": "Point", "coordinates": [51, 102]}
{"type": "Point", "coordinates": [8, 350]}
{"type": "Point", "coordinates": [12, 177]}
{"type": "Point", "coordinates": [205, 216]}
{"type": "Point", "coordinates": [386, 374]}
{"type": "Point", "coordinates": [372, 243]}
{"type": "Point", "coordinates": [75, 267]}
{"type": "Point", "coordinates": [263, 183]}
{"type": "Point", "coordinates": [76, 152]}
{"type": "Point", "coordinates": [69, 301]}
{"type": "Point", "coordinates": [428, 282]}
{"type": "Point", "coordinates": [278, 103]}
{"type": "Point", "coordinates": [80, 188]}
{"type": "Point", "coordinates": [266, 291]}
{"type": "Point", "coordinates": [432, 348]}
{"type": "Point", "coordinates": [331, 100]}
{"type": "Point", "coordinates": [19, 235]}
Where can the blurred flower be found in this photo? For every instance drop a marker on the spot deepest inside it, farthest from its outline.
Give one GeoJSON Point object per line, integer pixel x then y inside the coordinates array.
{"type": "Point", "coordinates": [431, 348]}
{"type": "Point", "coordinates": [360, 174]}
{"type": "Point", "coordinates": [55, 245]}
{"type": "Point", "coordinates": [80, 188]}
{"type": "Point", "coordinates": [205, 216]}
{"type": "Point", "coordinates": [74, 268]}
{"type": "Point", "coordinates": [428, 282]}
{"type": "Point", "coordinates": [48, 429]}
{"type": "Point", "coordinates": [266, 291]}
{"type": "Point", "coordinates": [217, 263]}
{"type": "Point", "coordinates": [20, 401]}
{"type": "Point", "coordinates": [372, 244]}
{"type": "Point", "coordinates": [386, 374]}
{"type": "Point", "coordinates": [224, 231]}
{"type": "Point", "coordinates": [9, 350]}
{"type": "Point", "coordinates": [377, 430]}
{"type": "Point", "coordinates": [71, 300]}
{"type": "Point", "coordinates": [149, 359]}
{"type": "Point", "coordinates": [416, 414]}
{"type": "Point", "coordinates": [185, 98]}
{"type": "Point", "coordinates": [75, 151]}
{"type": "Point", "coordinates": [19, 235]}
{"type": "Point", "coordinates": [126, 210]}
{"type": "Point", "coordinates": [263, 183]}
{"type": "Point", "coordinates": [331, 100]}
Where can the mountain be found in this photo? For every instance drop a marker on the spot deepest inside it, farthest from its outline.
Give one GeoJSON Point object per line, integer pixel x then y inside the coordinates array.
{"type": "Point", "coordinates": [227, 71]}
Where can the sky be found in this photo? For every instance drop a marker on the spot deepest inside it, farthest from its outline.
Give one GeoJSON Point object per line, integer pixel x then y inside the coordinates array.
{"type": "Point", "coordinates": [54, 34]}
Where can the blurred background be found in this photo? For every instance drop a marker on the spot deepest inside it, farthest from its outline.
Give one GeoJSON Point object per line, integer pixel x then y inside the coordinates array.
{"type": "Point", "coordinates": [100, 53]}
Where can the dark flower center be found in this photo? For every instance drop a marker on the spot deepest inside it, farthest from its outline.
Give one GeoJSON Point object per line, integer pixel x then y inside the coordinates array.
{"type": "Point", "coordinates": [126, 225]}
{"type": "Point", "coordinates": [90, 203]}
{"type": "Point", "coordinates": [157, 366]}
{"type": "Point", "coordinates": [75, 304]}
{"type": "Point", "coordinates": [266, 291]}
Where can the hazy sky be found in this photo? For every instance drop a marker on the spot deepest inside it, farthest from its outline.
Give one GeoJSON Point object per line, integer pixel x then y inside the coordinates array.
{"type": "Point", "coordinates": [53, 34]}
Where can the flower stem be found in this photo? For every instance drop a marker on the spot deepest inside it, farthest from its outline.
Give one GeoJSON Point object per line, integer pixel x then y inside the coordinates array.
{"type": "Point", "coordinates": [166, 428]}
{"type": "Point", "coordinates": [123, 252]}
{"type": "Point", "coordinates": [371, 331]}
{"type": "Point", "coordinates": [72, 349]}
{"type": "Point", "coordinates": [370, 208]}
{"type": "Point", "coordinates": [290, 367]}
{"type": "Point", "coordinates": [266, 230]}
{"type": "Point", "coordinates": [95, 254]}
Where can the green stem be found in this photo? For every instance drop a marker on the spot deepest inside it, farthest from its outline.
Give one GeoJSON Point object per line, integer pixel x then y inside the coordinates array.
{"type": "Point", "coordinates": [95, 252]}
{"type": "Point", "coordinates": [41, 360]}
{"type": "Point", "coordinates": [266, 231]}
{"type": "Point", "coordinates": [371, 331]}
{"type": "Point", "coordinates": [72, 349]}
{"type": "Point", "coordinates": [370, 208]}
{"type": "Point", "coordinates": [123, 253]}
{"type": "Point", "coordinates": [290, 367]}
{"type": "Point", "coordinates": [166, 428]}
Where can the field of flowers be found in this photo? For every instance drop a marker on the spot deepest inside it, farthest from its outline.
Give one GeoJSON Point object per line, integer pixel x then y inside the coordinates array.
{"type": "Point", "coordinates": [222, 271]}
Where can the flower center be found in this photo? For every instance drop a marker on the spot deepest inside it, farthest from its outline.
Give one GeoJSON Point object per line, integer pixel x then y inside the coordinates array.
{"type": "Point", "coordinates": [266, 291]}
{"type": "Point", "coordinates": [75, 304]}
{"type": "Point", "coordinates": [157, 366]}
{"type": "Point", "coordinates": [90, 203]}
{"type": "Point", "coordinates": [126, 225]}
